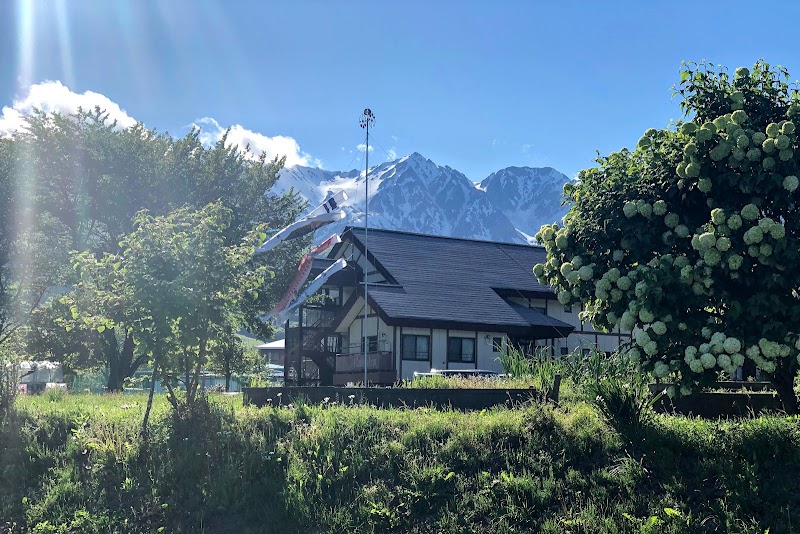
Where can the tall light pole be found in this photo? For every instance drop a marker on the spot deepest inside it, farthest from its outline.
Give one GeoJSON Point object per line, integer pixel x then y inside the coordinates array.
{"type": "Point", "coordinates": [366, 120]}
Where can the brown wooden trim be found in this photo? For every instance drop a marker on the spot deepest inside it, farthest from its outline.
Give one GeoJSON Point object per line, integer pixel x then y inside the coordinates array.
{"type": "Point", "coordinates": [521, 331]}
{"type": "Point", "coordinates": [371, 258]}
{"type": "Point", "coordinates": [400, 353]}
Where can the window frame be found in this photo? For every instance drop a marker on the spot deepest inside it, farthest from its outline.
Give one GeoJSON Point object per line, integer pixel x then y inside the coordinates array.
{"type": "Point", "coordinates": [497, 344]}
{"type": "Point", "coordinates": [403, 341]}
{"type": "Point", "coordinates": [460, 340]}
{"type": "Point", "coordinates": [372, 344]}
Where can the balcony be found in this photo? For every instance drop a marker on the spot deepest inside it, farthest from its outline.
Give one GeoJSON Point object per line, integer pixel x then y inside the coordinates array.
{"type": "Point", "coordinates": [350, 367]}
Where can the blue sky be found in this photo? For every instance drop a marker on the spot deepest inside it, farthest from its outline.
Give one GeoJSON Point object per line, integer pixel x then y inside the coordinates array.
{"type": "Point", "coordinates": [474, 85]}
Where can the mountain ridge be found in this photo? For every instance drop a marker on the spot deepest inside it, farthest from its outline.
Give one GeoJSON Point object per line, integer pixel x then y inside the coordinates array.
{"type": "Point", "coordinates": [414, 194]}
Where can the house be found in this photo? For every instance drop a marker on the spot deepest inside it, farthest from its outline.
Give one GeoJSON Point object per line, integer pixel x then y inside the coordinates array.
{"type": "Point", "coordinates": [272, 352]}
{"type": "Point", "coordinates": [432, 302]}
{"type": "Point", "coordinates": [35, 377]}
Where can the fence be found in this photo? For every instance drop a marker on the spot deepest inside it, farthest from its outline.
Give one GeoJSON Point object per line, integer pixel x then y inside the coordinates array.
{"type": "Point", "coordinates": [732, 399]}
{"type": "Point", "coordinates": [457, 399]}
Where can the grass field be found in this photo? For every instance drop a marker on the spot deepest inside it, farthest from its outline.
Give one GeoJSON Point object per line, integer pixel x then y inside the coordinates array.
{"type": "Point", "coordinates": [77, 463]}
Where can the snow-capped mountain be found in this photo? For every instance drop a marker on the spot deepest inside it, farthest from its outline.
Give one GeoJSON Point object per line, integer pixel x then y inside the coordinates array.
{"type": "Point", "coordinates": [529, 197]}
{"type": "Point", "coordinates": [415, 194]}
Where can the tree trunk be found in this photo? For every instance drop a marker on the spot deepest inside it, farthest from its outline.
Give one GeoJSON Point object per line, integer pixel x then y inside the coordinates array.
{"type": "Point", "coordinates": [201, 355]}
{"type": "Point", "coordinates": [149, 401]}
{"type": "Point", "coordinates": [126, 358]}
{"type": "Point", "coordinates": [227, 381]}
{"type": "Point", "coordinates": [784, 385]}
{"type": "Point", "coordinates": [120, 363]}
{"type": "Point", "coordinates": [114, 382]}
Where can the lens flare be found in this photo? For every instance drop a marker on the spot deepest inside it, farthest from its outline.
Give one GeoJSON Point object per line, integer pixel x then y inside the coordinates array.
{"type": "Point", "coordinates": [64, 41]}
{"type": "Point", "coordinates": [26, 48]}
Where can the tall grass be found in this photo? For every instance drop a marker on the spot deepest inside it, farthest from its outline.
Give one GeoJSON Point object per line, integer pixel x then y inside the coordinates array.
{"type": "Point", "coordinates": [541, 368]}
{"type": "Point", "coordinates": [79, 465]}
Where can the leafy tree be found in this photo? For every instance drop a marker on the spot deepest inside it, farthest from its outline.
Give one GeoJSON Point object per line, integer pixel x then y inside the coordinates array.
{"type": "Point", "coordinates": [228, 355]}
{"type": "Point", "coordinates": [87, 177]}
{"type": "Point", "coordinates": [32, 268]}
{"type": "Point", "coordinates": [691, 240]}
{"type": "Point", "coordinates": [182, 289]}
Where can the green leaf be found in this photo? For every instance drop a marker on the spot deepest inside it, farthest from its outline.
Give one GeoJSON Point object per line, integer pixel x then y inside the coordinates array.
{"type": "Point", "coordinates": [672, 512]}
{"type": "Point", "coordinates": [74, 311]}
{"type": "Point", "coordinates": [101, 329]}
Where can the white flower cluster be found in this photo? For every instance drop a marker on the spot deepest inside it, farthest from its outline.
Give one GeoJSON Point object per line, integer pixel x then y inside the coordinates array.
{"type": "Point", "coordinates": [719, 351]}
{"type": "Point", "coordinates": [728, 140]}
{"type": "Point", "coordinates": [766, 353]}
{"type": "Point", "coordinates": [575, 272]}
{"type": "Point", "coordinates": [641, 207]}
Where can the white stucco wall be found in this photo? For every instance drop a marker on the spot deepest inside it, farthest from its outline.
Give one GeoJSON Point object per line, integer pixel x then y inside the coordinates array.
{"type": "Point", "coordinates": [488, 359]}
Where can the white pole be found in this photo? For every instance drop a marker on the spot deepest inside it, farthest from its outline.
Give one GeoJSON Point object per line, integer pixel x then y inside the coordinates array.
{"type": "Point", "coordinates": [366, 258]}
{"type": "Point", "coordinates": [367, 118]}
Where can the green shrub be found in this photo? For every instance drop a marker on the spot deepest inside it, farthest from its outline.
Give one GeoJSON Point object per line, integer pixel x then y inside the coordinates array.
{"type": "Point", "coordinates": [79, 465]}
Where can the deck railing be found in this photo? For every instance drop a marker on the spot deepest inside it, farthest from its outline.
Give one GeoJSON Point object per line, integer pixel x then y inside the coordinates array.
{"type": "Point", "coordinates": [376, 361]}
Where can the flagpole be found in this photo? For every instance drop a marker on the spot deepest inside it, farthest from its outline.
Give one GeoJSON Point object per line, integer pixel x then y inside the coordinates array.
{"type": "Point", "coordinates": [366, 119]}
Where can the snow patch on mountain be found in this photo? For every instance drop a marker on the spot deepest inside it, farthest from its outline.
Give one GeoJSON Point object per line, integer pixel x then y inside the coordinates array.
{"type": "Point", "coordinates": [415, 194]}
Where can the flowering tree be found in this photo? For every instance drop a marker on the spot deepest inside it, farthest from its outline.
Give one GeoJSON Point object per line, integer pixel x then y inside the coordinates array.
{"type": "Point", "coordinates": [692, 240]}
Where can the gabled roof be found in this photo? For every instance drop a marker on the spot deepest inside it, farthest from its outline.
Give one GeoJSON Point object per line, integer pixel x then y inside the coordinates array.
{"type": "Point", "coordinates": [410, 257]}
{"type": "Point", "coordinates": [278, 344]}
{"type": "Point", "coordinates": [457, 283]}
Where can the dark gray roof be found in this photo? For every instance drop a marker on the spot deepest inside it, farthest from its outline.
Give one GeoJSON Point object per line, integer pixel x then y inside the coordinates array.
{"type": "Point", "coordinates": [425, 258]}
{"type": "Point", "coordinates": [458, 282]}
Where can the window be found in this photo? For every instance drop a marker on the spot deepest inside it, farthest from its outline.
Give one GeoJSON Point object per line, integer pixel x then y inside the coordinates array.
{"type": "Point", "coordinates": [564, 351]}
{"type": "Point", "coordinates": [497, 344]}
{"type": "Point", "coordinates": [330, 297]}
{"type": "Point", "coordinates": [568, 308]}
{"type": "Point", "coordinates": [541, 309]}
{"type": "Point", "coordinates": [416, 347]}
{"type": "Point", "coordinates": [333, 344]}
{"type": "Point", "coordinates": [461, 349]}
{"type": "Point", "coordinates": [372, 343]}
{"type": "Point", "coordinates": [586, 352]}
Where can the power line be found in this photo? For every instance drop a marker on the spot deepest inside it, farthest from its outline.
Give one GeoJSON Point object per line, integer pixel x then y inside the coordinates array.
{"type": "Point", "coordinates": [374, 142]}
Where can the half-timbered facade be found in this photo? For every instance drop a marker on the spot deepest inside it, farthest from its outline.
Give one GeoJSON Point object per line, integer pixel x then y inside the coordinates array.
{"type": "Point", "coordinates": [432, 302]}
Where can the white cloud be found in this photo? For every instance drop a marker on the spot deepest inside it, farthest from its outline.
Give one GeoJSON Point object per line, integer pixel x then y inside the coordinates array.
{"type": "Point", "coordinates": [392, 154]}
{"type": "Point", "coordinates": [362, 147]}
{"type": "Point", "coordinates": [252, 144]}
{"type": "Point", "coordinates": [53, 96]}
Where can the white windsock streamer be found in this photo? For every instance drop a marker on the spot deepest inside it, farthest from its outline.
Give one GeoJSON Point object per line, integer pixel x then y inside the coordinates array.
{"type": "Point", "coordinates": [299, 228]}
{"type": "Point", "coordinates": [302, 274]}
{"type": "Point", "coordinates": [312, 288]}
{"type": "Point", "coordinates": [333, 203]}
{"type": "Point", "coordinates": [326, 213]}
